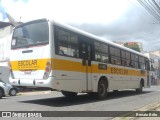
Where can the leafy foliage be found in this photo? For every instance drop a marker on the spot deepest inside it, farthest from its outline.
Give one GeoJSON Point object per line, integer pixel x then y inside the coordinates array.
{"type": "Point", "coordinates": [132, 46]}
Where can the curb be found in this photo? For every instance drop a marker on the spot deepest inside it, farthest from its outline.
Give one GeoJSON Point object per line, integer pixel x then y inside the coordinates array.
{"type": "Point", "coordinates": [34, 93]}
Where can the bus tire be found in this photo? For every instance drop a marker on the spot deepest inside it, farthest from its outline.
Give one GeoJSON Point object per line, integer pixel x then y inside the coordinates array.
{"type": "Point", "coordinates": [102, 89]}
{"type": "Point", "coordinates": [140, 89]}
{"type": "Point", "coordinates": [69, 94]}
{"type": "Point", "coordinates": [1, 93]}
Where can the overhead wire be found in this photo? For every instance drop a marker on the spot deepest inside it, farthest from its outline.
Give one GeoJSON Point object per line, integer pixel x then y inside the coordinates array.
{"type": "Point", "coordinates": [149, 9]}
{"type": "Point", "coordinates": [136, 4]}
{"type": "Point", "coordinates": [158, 7]}
{"type": "Point", "coordinates": [158, 1]}
{"type": "Point", "coordinates": [154, 6]}
{"type": "Point", "coordinates": [152, 9]}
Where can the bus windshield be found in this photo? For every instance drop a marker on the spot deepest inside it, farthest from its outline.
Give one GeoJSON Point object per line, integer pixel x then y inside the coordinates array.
{"type": "Point", "coordinates": [31, 34]}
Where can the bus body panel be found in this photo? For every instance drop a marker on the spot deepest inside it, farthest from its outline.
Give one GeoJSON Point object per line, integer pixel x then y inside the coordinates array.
{"type": "Point", "coordinates": [118, 81]}
{"type": "Point", "coordinates": [69, 69]}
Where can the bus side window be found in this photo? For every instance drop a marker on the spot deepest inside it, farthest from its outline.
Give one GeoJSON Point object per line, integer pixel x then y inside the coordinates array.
{"type": "Point", "coordinates": [114, 61]}
{"type": "Point", "coordinates": [61, 52]}
{"type": "Point", "coordinates": [123, 62]}
{"type": "Point", "coordinates": [142, 63]}
{"type": "Point", "coordinates": [133, 60]}
{"type": "Point", "coordinates": [131, 64]}
{"type": "Point", "coordinates": [115, 55]}
{"type": "Point", "coordinates": [101, 52]}
{"type": "Point", "coordinates": [123, 57]}
{"type": "Point", "coordinates": [66, 43]}
{"type": "Point", "coordinates": [128, 59]}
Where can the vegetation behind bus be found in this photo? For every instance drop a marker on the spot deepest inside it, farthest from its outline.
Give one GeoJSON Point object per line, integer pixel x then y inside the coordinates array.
{"type": "Point", "coordinates": [133, 47]}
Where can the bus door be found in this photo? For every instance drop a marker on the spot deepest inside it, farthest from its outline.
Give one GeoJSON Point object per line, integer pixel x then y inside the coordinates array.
{"type": "Point", "coordinates": [86, 55]}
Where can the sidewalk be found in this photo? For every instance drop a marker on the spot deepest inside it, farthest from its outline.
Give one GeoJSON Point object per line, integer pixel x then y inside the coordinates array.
{"type": "Point", "coordinates": [150, 107]}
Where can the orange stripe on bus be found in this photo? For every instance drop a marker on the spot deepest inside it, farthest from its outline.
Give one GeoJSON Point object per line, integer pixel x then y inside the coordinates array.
{"type": "Point", "coordinates": [67, 65]}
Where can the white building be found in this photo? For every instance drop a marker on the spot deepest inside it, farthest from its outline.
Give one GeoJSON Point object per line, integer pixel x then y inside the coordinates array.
{"type": "Point", "coordinates": [155, 67]}
{"type": "Point", "coordinates": [5, 45]}
{"type": "Point", "coordinates": [156, 52]}
{"type": "Point", "coordinates": [5, 40]}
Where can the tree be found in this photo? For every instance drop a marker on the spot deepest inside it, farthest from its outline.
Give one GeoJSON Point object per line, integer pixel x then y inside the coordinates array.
{"type": "Point", "coordinates": [132, 46]}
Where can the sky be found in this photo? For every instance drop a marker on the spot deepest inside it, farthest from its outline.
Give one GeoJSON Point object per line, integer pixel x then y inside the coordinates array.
{"type": "Point", "coordinates": [114, 20]}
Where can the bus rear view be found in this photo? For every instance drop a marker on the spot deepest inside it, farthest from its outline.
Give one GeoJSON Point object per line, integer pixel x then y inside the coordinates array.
{"type": "Point", "coordinates": [29, 59]}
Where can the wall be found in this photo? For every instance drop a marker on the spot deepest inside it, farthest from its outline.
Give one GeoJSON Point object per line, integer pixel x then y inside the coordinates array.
{"type": "Point", "coordinates": [155, 65]}
{"type": "Point", "coordinates": [5, 31]}
{"type": "Point", "coordinates": [4, 73]}
{"type": "Point", "coordinates": [5, 45]}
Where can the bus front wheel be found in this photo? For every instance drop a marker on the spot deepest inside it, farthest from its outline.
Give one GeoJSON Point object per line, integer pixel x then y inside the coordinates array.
{"type": "Point", "coordinates": [69, 94]}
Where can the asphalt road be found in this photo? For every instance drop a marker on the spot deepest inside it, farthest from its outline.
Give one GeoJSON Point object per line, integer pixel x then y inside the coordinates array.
{"type": "Point", "coordinates": [127, 100]}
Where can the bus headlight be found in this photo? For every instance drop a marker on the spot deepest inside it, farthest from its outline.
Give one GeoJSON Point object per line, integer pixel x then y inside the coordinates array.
{"type": "Point", "coordinates": [47, 70]}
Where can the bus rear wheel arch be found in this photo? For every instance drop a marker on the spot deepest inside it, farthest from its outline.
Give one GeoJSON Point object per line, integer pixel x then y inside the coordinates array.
{"type": "Point", "coordinates": [102, 88]}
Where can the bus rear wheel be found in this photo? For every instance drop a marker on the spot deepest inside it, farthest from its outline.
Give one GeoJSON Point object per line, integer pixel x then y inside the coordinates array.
{"type": "Point", "coordinates": [69, 94]}
{"type": "Point", "coordinates": [1, 93]}
{"type": "Point", "coordinates": [102, 89]}
{"type": "Point", "coordinates": [140, 89]}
